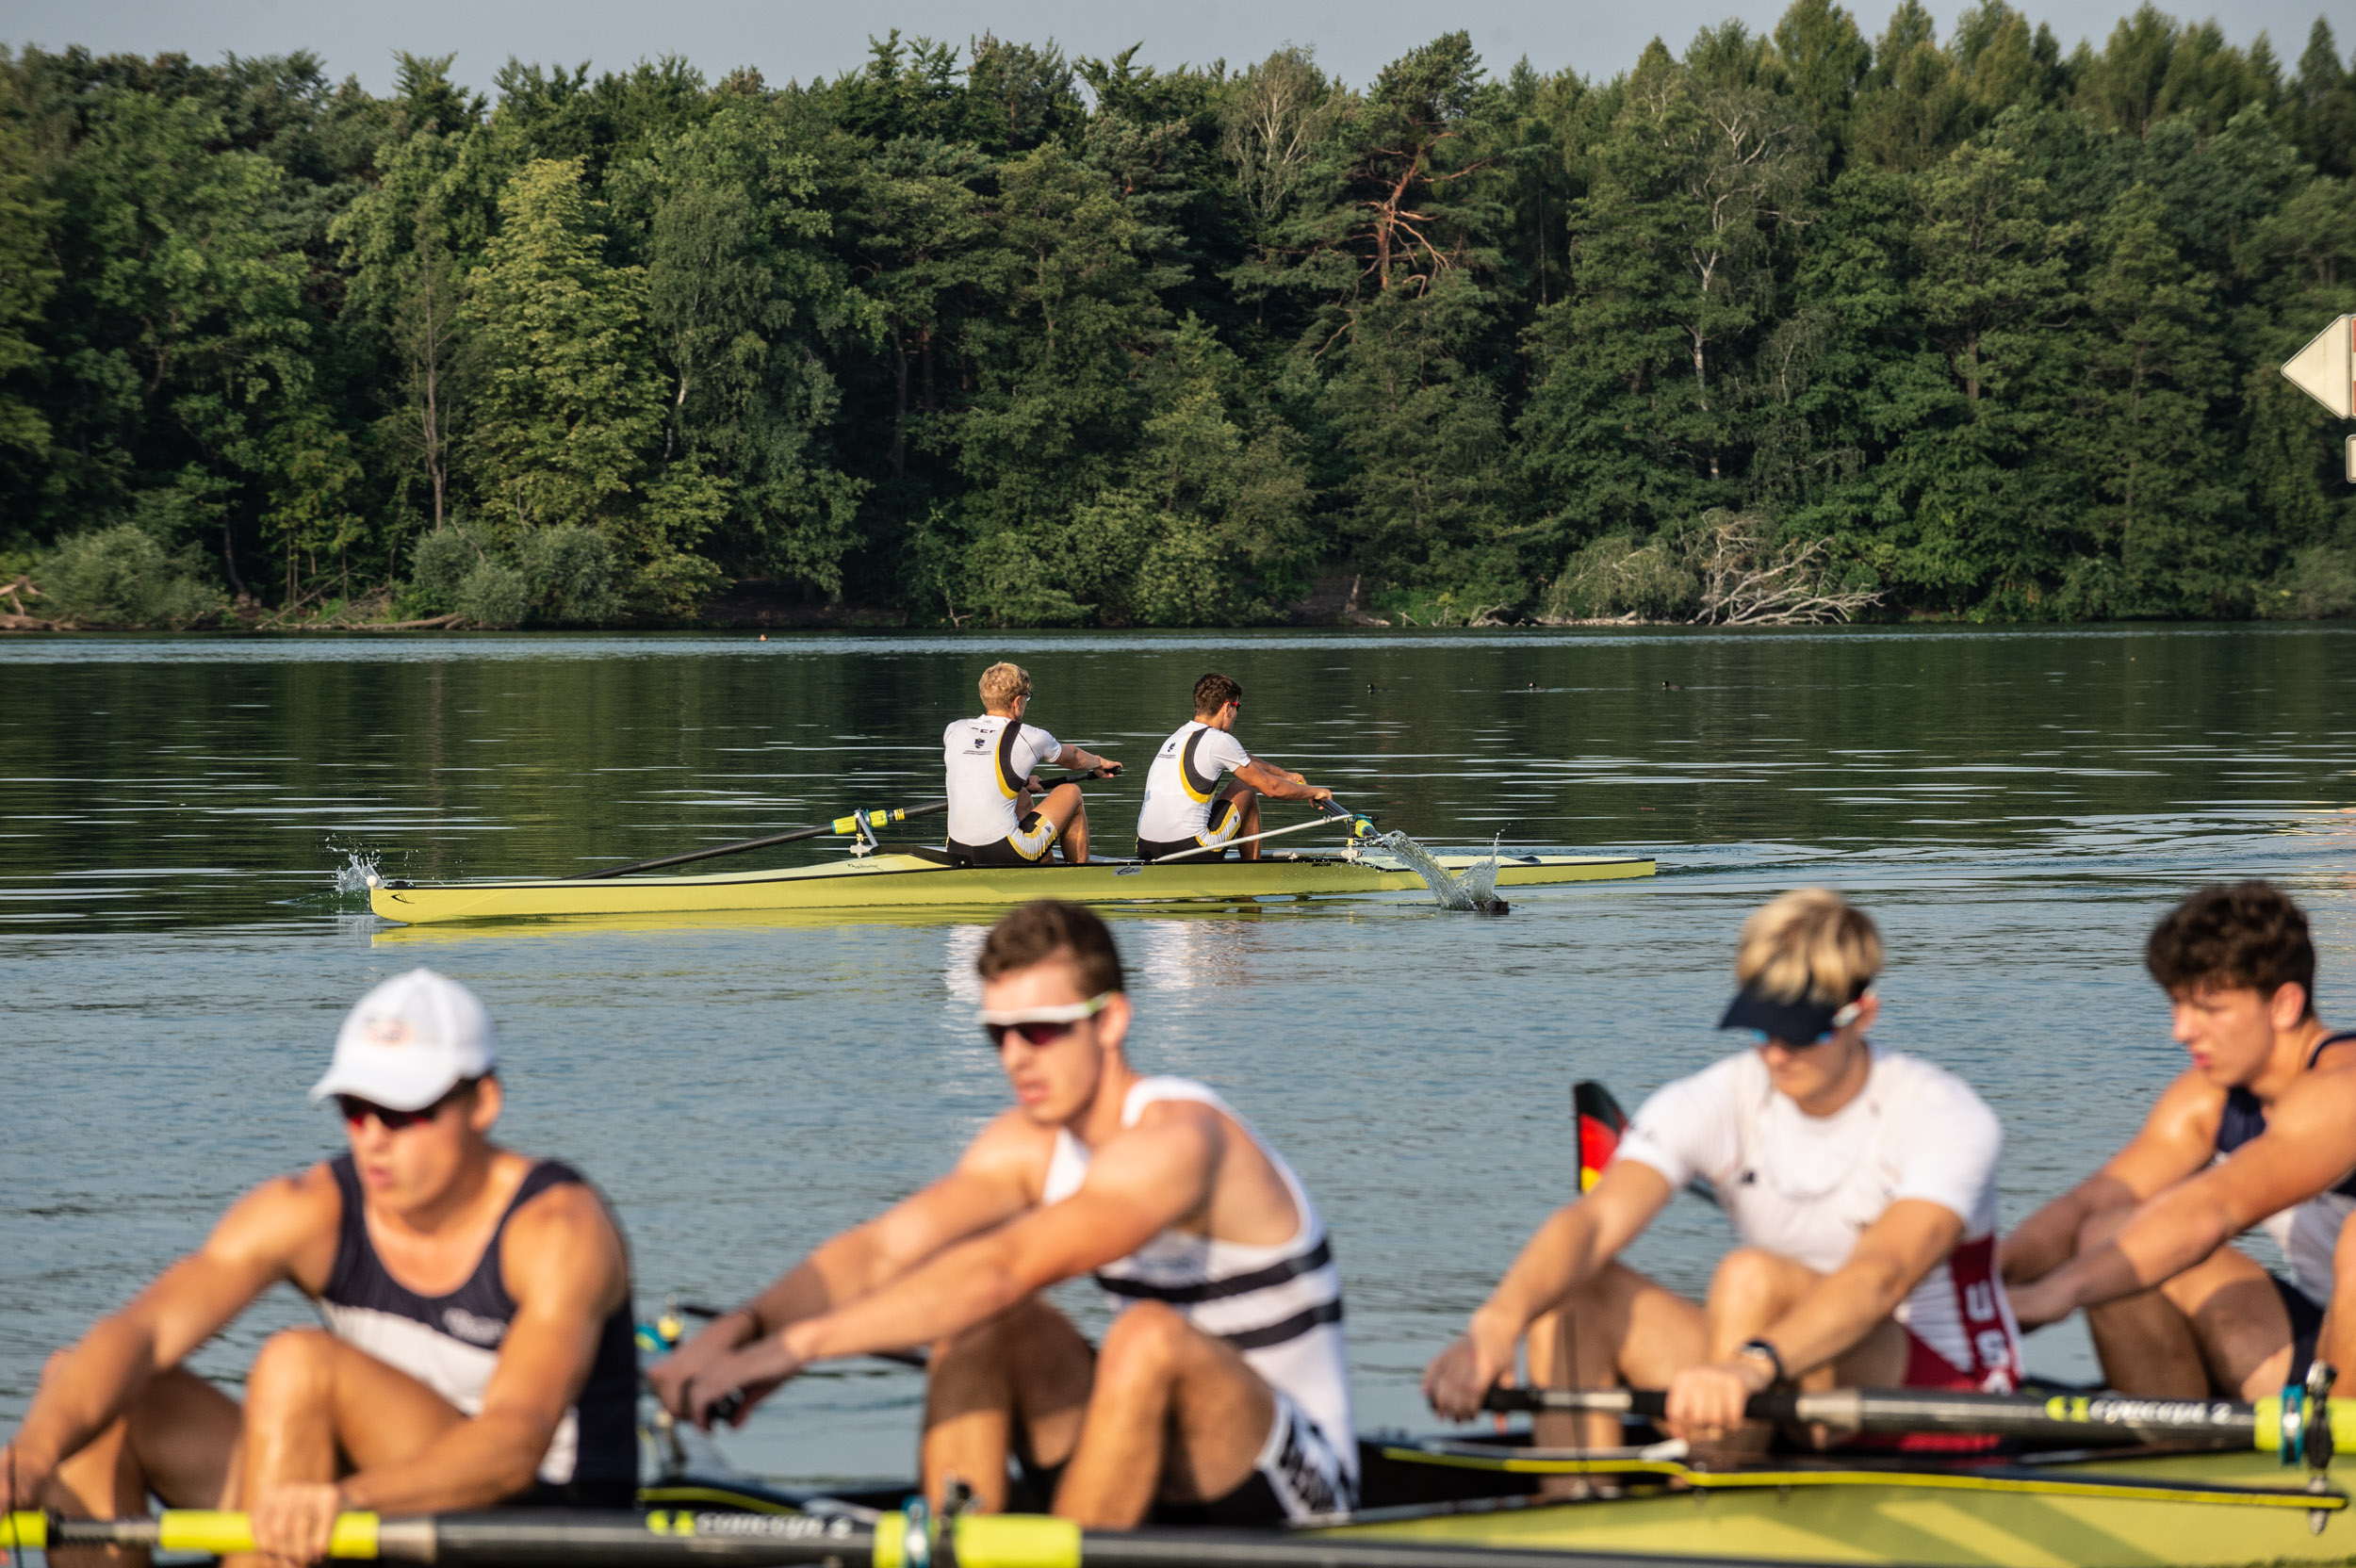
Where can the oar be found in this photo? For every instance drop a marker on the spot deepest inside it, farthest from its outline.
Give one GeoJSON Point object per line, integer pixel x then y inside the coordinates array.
{"type": "Point", "coordinates": [557, 1537]}
{"type": "Point", "coordinates": [2080, 1420]}
{"type": "Point", "coordinates": [1249, 838]}
{"type": "Point", "coordinates": [843, 827]}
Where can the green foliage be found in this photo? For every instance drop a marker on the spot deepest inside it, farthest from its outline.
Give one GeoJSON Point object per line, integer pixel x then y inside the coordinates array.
{"type": "Point", "coordinates": [2319, 583]}
{"type": "Point", "coordinates": [1616, 578]}
{"type": "Point", "coordinates": [569, 403]}
{"type": "Point", "coordinates": [123, 577]}
{"type": "Point", "coordinates": [561, 575]}
{"type": "Point", "coordinates": [441, 562]}
{"type": "Point", "coordinates": [1848, 316]}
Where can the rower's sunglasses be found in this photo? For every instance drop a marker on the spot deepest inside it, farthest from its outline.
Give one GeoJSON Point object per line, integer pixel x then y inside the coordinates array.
{"type": "Point", "coordinates": [1841, 1020]}
{"type": "Point", "coordinates": [356, 1110]}
{"type": "Point", "coordinates": [1041, 1025]}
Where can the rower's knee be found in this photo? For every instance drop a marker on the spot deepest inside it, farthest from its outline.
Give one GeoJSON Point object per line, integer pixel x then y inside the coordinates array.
{"type": "Point", "coordinates": [1751, 1283]}
{"type": "Point", "coordinates": [1144, 1345]}
{"type": "Point", "coordinates": [294, 1370]}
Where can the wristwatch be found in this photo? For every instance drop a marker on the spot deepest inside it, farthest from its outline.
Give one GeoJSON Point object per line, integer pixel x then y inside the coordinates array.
{"type": "Point", "coordinates": [1766, 1352]}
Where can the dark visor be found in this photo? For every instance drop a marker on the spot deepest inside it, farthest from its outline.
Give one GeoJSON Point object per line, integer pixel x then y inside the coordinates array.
{"type": "Point", "coordinates": [1802, 1021]}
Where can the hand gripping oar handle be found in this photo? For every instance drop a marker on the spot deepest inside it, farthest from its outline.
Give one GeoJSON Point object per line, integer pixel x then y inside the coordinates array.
{"type": "Point", "coordinates": [555, 1538]}
{"type": "Point", "coordinates": [2084, 1420]}
{"type": "Point", "coordinates": [1361, 823]}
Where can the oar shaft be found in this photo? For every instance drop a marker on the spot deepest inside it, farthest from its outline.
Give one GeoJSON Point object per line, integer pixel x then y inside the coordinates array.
{"type": "Point", "coordinates": [840, 825]}
{"type": "Point", "coordinates": [1252, 839]}
{"type": "Point", "coordinates": [2086, 1420]}
{"type": "Point", "coordinates": [551, 1538]}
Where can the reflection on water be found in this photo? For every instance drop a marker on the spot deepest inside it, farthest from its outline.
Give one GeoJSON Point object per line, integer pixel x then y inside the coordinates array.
{"type": "Point", "coordinates": [2016, 807]}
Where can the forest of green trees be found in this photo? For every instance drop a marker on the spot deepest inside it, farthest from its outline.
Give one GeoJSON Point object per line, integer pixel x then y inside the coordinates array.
{"type": "Point", "coordinates": [1801, 325]}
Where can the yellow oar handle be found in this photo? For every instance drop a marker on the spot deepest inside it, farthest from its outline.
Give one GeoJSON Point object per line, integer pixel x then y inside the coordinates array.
{"type": "Point", "coordinates": [185, 1529]}
{"type": "Point", "coordinates": [997, 1540]}
{"type": "Point", "coordinates": [2268, 1439]}
{"type": "Point", "coordinates": [181, 1530]}
{"type": "Point", "coordinates": [874, 819]}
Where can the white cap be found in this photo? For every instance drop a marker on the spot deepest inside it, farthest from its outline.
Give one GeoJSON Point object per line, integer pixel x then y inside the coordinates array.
{"type": "Point", "coordinates": [410, 1041]}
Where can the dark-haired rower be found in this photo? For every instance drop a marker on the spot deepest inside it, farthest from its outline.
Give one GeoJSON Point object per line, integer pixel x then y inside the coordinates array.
{"type": "Point", "coordinates": [1186, 807]}
{"type": "Point", "coordinates": [2259, 1130]}
{"type": "Point", "coordinates": [476, 1348]}
{"type": "Point", "coordinates": [1221, 1389]}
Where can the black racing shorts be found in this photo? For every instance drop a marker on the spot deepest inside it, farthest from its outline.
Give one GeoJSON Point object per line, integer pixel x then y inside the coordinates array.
{"type": "Point", "coordinates": [1254, 1502]}
{"type": "Point", "coordinates": [1003, 852]}
{"type": "Point", "coordinates": [2306, 1325]}
{"type": "Point", "coordinates": [577, 1493]}
{"type": "Point", "coordinates": [1153, 849]}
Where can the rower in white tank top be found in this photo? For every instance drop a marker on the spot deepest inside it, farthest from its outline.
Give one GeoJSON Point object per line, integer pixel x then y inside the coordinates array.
{"type": "Point", "coordinates": [1805, 1187]}
{"type": "Point", "coordinates": [1280, 1306]}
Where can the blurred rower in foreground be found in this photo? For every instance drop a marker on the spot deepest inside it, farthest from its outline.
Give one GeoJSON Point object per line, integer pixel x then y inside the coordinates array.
{"type": "Point", "coordinates": [2259, 1129]}
{"type": "Point", "coordinates": [477, 1349]}
{"type": "Point", "coordinates": [1222, 1391]}
{"type": "Point", "coordinates": [1861, 1183]}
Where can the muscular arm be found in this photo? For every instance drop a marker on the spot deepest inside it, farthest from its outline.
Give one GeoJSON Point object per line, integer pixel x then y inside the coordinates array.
{"type": "Point", "coordinates": [562, 1262]}
{"type": "Point", "coordinates": [1152, 1177]}
{"type": "Point", "coordinates": [1574, 1244]}
{"type": "Point", "coordinates": [2176, 1141]}
{"type": "Point", "coordinates": [1076, 757]}
{"type": "Point", "coordinates": [2310, 1142]}
{"type": "Point", "coordinates": [1278, 784]}
{"type": "Point", "coordinates": [993, 1182]}
{"type": "Point", "coordinates": [1890, 1258]}
{"type": "Point", "coordinates": [257, 1244]}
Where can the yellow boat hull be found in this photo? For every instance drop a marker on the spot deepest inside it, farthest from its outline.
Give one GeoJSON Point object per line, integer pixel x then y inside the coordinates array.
{"type": "Point", "coordinates": [907, 881]}
{"type": "Point", "coordinates": [2203, 1511]}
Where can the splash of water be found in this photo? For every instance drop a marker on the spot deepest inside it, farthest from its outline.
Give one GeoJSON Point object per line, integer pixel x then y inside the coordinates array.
{"type": "Point", "coordinates": [358, 872]}
{"type": "Point", "coordinates": [1475, 887]}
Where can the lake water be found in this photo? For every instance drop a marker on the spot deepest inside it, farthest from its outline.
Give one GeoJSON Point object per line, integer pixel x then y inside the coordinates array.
{"type": "Point", "coordinates": [2014, 807]}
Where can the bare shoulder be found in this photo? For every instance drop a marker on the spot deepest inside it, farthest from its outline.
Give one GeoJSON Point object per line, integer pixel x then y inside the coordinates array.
{"type": "Point", "coordinates": [289, 1210]}
{"type": "Point", "coordinates": [1181, 1115]}
{"type": "Point", "coordinates": [1174, 1137]}
{"type": "Point", "coordinates": [564, 1242]}
{"type": "Point", "coordinates": [287, 1227]}
{"type": "Point", "coordinates": [2190, 1103]}
{"type": "Point", "coordinates": [2336, 1057]}
{"type": "Point", "coordinates": [1011, 1147]}
{"type": "Point", "coordinates": [2327, 1094]}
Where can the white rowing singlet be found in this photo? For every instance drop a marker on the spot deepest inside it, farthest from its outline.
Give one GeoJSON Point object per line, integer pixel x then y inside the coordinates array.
{"type": "Point", "coordinates": [988, 760]}
{"type": "Point", "coordinates": [1184, 777]}
{"type": "Point", "coordinates": [1803, 1187]}
{"type": "Point", "coordinates": [1279, 1305]}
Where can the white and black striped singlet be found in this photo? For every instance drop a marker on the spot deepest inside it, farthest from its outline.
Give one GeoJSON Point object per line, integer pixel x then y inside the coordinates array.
{"type": "Point", "coordinates": [450, 1343]}
{"type": "Point", "coordinates": [1281, 1306]}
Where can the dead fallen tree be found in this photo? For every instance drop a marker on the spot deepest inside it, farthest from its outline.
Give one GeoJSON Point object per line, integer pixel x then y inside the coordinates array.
{"type": "Point", "coordinates": [1747, 577]}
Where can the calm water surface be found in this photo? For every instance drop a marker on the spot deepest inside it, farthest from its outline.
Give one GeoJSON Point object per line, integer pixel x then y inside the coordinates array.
{"type": "Point", "coordinates": [2016, 807]}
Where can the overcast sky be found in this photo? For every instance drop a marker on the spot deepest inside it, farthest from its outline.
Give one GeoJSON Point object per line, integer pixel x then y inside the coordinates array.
{"type": "Point", "coordinates": [800, 38]}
